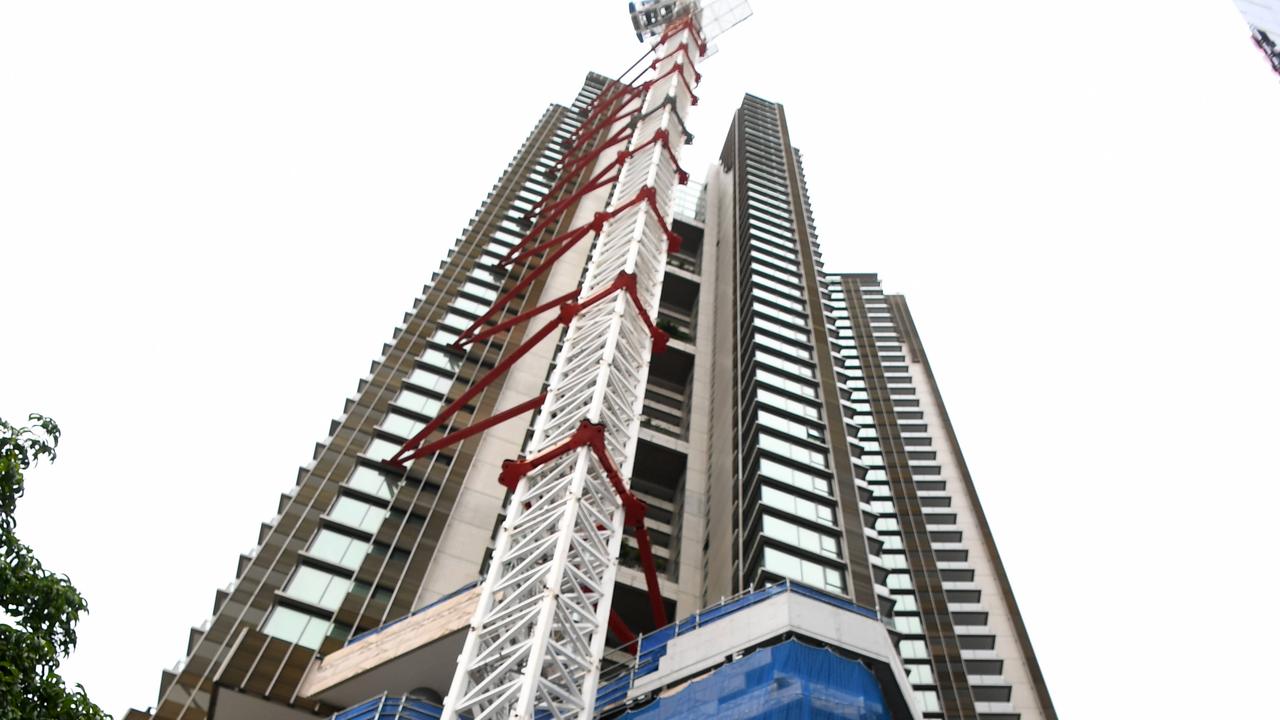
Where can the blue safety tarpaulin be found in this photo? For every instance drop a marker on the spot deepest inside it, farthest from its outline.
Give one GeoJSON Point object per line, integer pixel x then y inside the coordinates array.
{"type": "Point", "coordinates": [788, 681]}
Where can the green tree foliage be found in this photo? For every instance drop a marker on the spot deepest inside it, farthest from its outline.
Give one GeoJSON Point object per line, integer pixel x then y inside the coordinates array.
{"type": "Point", "coordinates": [38, 609]}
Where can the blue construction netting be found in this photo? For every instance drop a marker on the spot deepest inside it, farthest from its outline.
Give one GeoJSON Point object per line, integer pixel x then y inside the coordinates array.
{"type": "Point", "coordinates": [788, 681]}
{"type": "Point", "coordinates": [654, 645]}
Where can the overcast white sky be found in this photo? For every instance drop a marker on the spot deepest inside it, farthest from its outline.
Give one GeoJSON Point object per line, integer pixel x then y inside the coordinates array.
{"type": "Point", "coordinates": [213, 214]}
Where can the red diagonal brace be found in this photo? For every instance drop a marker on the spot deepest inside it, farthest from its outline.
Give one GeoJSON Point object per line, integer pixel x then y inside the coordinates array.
{"type": "Point", "coordinates": [569, 307]}
{"type": "Point", "coordinates": [589, 434]}
{"type": "Point", "coordinates": [473, 429]}
{"type": "Point", "coordinates": [623, 632]}
{"type": "Point", "coordinates": [575, 168]}
{"type": "Point", "coordinates": [678, 71]}
{"type": "Point", "coordinates": [683, 48]}
{"type": "Point", "coordinates": [564, 243]}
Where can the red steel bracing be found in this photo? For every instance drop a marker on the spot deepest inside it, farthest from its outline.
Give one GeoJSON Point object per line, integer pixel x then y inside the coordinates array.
{"type": "Point", "coordinates": [623, 632]}
{"type": "Point", "coordinates": [568, 308]}
{"type": "Point", "coordinates": [606, 110]}
{"type": "Point", "coordinates": [591, 435]}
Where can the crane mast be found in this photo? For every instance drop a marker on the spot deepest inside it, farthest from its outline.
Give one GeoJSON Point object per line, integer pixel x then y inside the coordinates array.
{"type": "Point", "coordinates": [536, 641]}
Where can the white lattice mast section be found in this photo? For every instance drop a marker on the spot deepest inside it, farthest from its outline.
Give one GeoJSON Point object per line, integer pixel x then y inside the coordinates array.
{"type": "Point", "coordinates": [538, 635]}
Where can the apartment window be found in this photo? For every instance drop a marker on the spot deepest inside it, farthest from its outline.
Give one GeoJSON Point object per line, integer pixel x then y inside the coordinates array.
{"type": "Point", "coordinates": [337, 548]}
{"type": "Point", "coordinates": [792, 451]}
{"type": "Point", "coordinates": [480, 291]}
{"type": "Point", "coordinates": [780, 287]}
{"type": "Point", "coordinates": [778, 300]}
{"type": "Point", "coordinates": [296, 627]}
{"type": "Point", "coordinates": [791, 386]}
{"type": "Point", "coordinates": [919, 674]}
{"type": "Point", "coordinates": [913, 649]}
{"type": "Point", "coordinates": [784, 365]}
{"type": "Point", "coordinates": [908, 625]}
{"type": "Point", "coordinates": [448, 362]}
{"type": "Point", "coordinates": [905, 603]}
{"type": "Point", "coordinates": [369, 481]}
{"type": "Point", "coordinates": [430, 380]}
{"type": "Point", "coordinates": [491, 275]}
{"type": "Point", "coordinates": [801, 537]}
{"type": "Point", "coordinates": [357, 514]}
{"type": "Point", "coordinates": [927, 701]}
{"type": "Point", "coordinates": [417, 402]}
{"type": "Point", "coordinates": [894, 561]}
{"type": "Point", "coordinates": [898, 581]}
{"type": "Point", "coordinates": [806, 571]}
{"type": "Point", "coordinates": [791, 476]}
{"type": "Point", "coordinates": [401, 426]}
{"type": "Point", "coordinates": [795, 429]}
{"type": "Point", "coordinates": [315, 586]}
{"type": "Point", "coordinates": [776, 314]}
{"type": "Point", "coordinates": [381, 450]}
{"type": "Point", "coordinates": [782, 348]}
{"type": "Point", "coordinates": [808, 509]}
{"type": "Point", "coordinates": [794, 407]}
{"type": "Point", "coordinates": [469, 306]}
{"type": "Point", "coordinates": [444, 337]}
{"type": "Point", "coordinates": [887, 524]}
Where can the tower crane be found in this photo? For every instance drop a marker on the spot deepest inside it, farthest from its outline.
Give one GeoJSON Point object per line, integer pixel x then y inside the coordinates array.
{"type": "Point", "coordinates": [537, 639]}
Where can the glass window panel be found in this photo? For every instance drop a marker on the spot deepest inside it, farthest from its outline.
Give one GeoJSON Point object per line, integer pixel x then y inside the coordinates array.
{"type": "Point", "coordinates": [801, 537]}
{"type": "Point", "coordinates": [794, 452]}
{"type": "Point", "coordinates": [898, 581]}
{"type": "Point", "coordinates": [448, 362]}
{"type": "Point", "coordinates": [782, 347]}
{"type": "Point", "coordinates": [791, 476]}
{"type": "Point", "coordinates": [417, 402]}
{"type": "Point", "coordinates": [777, 314]}
{"type": "Point", "coordinates": [919, 674]}
{"type": "Point", "coordinates": [317, 587]}
{"type": "Point", "coordinates": [456, 321]}
{"type": "Point", "coordinates": [430, 379]}
{"type": "Point", "coordinates": [806, 571]}
{"type": "Point", "coordinates": [760, 279]}
{"type": "Point", "coordinates": [401, 425]}
{"type": "Point", "coordinates": [338, 549]}
{"type": "Point", "coordinates": [381, 450]}
{"type": "Point", "coordinates": [296, 627]}
{"type": "Point", "coordinates": [784, 365]}
{"type": "Point", "coordinates": [914, 649]}
{"type": "Point", "coordinates": [905, 603]}
{"type": "Point", "coordinates": [357, 514]}
{"type": "Point", "coordinates": [798, 506]}
{"type": "Point", "coordinates": [467, 305]}
{"type": "Point", "coordinates": [367, 480]}
{"type": "Point", "coordinates": [794, 407]}
{"type": "Point", "coordinates": [481, 291]}
{"type": "Point", "coordinates": [792, 386]}
{"type": "Point", "coordinates": [796, 429]}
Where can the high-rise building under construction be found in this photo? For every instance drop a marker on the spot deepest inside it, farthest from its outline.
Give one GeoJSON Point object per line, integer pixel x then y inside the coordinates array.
{"type": "Point", "coordinates": [803, 484]}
